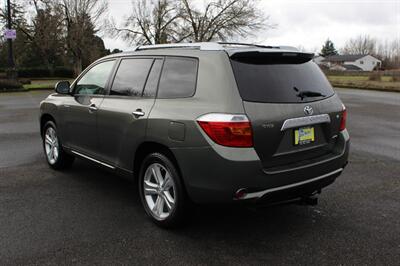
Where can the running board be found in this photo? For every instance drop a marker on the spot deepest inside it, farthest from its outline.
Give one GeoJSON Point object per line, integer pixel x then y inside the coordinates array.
{"type": "Point", "coordinates": [92, 159]}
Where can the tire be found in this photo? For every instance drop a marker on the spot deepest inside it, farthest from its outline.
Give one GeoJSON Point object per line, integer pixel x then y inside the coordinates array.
{"type": "Point", "coordinates": [165, 202]}
{"type": "Point", "coordinates": [55, 155]}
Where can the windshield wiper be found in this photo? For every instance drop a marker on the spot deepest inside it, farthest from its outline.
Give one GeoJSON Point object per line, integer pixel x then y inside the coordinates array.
{"type": "Point", "coordinates": [304, 94]}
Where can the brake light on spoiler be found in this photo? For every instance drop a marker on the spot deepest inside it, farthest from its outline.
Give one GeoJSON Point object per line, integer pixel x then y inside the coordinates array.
{"type": "Point", "coordinates": [230, 130]}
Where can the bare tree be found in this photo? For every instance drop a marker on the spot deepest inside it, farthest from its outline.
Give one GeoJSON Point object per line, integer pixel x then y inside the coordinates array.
{"type": "Point", "coordinates": [389, 53]}
{"type": "Point", "coordinates": [80, 18]}
{"type": "Point", "coordinates": [361, 45]}
{"type": "Point", "coordinates": [222, 19]}
{"type": "Point", "coordinates": [151, 22]}
{"type": "Point", "coordinates": [45, 32]}
{"type": "Point", "coordinates": [165, 21]}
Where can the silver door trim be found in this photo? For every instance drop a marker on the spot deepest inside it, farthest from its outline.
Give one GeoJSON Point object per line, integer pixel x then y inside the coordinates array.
{"type": "Point", "coordinates": [138, 113]}
{"type": "Point", "coordinates": [305, 121]}
{"type": "Point", "coordinates": [92, 159]}
{"type": "Point", "coordinates": [260, 194]}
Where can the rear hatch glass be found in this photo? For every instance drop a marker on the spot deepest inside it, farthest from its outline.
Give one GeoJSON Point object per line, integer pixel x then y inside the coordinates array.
{"type": "Point", "coordinates": [279, 78]}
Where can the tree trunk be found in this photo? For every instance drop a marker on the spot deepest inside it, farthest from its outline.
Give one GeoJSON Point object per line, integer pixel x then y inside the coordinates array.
{"type": "Point", "coordinates": [77, 66]}
{"type": "Point", "coordinates": [49, 66]}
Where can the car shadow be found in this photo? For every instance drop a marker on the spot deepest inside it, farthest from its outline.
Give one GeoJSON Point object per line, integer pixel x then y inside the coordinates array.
{"type": "Point", "coordinates": [235, 221]}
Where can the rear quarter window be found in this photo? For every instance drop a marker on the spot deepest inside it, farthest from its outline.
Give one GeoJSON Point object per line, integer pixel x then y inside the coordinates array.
{"type": "Point", "coordinates": [178, 78]}
{"type": "Point", "coordinates": [279, 82]}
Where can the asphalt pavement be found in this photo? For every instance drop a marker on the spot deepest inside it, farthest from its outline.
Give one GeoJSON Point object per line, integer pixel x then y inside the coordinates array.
{"type": "Point", "coordinates": [87, 215]}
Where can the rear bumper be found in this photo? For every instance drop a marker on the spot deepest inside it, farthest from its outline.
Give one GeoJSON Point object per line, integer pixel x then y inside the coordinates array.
{"type": "Point", "coordinates": [302, 188]}
{"type": "Point", "coordinates": [214, 175]}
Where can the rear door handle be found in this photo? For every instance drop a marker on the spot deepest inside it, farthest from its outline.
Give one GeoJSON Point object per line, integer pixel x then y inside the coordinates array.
{"type": "Point", "coordinates": [138, 113]}
{"type": "Point", "coordinates": [92, 107]}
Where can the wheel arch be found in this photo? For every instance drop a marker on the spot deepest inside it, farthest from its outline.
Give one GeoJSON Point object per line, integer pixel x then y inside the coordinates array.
{"type": "Point", "coordinates": [148, 147]}
{"type": "Point", "coordinates": [44, 118]}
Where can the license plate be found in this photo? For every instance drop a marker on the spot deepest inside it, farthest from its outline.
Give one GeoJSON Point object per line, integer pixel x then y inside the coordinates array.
{"type": "Point", "coordinates": [304, 135]}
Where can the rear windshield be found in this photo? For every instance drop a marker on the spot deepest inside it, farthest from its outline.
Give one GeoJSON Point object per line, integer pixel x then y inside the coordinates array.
{"type": "Point", "coordinates": [280, 81]}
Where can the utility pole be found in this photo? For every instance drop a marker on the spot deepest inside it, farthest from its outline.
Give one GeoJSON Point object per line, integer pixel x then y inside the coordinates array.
{"type": "Point", "coordinates": [11, 63]}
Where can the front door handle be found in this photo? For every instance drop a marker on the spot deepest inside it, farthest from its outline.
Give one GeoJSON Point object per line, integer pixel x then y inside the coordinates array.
{"type": "Point", "coordinates": [138, 113]}
{"type": "Point", "coordinates": [92, 107]}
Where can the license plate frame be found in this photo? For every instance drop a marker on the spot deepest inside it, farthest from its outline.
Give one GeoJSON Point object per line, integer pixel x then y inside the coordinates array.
{"type": "Point", "coordinates": [304, 135]}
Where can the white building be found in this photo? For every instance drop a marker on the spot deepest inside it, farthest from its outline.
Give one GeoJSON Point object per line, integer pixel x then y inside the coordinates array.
{"type": "Point", "coordinates": [318, 59]}
{"type": "Point", "coordinates": [352, 62]}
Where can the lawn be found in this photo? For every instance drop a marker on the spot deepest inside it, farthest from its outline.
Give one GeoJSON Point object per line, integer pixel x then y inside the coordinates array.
{"type": "Point", "coordinates": [43, 84]}
{"type": "Point", "coordinates": [362, 82]}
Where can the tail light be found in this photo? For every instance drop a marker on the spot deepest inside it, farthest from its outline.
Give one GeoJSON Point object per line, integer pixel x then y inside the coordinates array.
{"type": "Point", "coordinates": [344, 118]}
{"type": "Point", "coordinates": [227, 129]}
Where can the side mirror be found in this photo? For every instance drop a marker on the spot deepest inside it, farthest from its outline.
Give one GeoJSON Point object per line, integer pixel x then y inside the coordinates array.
{"type": "Point", "coordinates": [63, 87]}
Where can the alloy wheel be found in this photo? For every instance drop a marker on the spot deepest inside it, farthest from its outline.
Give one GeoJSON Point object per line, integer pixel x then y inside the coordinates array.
{"type": "Point", "coordinates": [51, 145]}
{"type": "Point", "coordinates": [159, 191]}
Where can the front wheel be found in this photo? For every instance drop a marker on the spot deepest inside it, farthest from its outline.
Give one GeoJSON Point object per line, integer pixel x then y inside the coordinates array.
{"type": "Point", "coordinates": [56, 157]}
{"type": "Point", "coordinates": [162, 192]}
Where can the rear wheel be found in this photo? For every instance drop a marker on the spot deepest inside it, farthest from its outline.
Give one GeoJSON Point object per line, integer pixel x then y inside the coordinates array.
{"type": "Point", "coordinates": [56, 157]}
{"type": "Point", "coordinates": [162, 192]}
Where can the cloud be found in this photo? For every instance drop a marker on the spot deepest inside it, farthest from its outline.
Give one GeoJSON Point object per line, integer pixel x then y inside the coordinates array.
{"type": "Point", "coordinates": [308, 23]}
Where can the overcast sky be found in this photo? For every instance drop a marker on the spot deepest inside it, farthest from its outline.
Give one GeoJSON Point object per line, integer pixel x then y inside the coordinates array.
{"type": "Point", "coordinates": [308, 23]}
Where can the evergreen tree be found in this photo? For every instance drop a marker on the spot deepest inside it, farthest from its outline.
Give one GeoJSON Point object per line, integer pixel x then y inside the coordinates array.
{"type": "Point", "coordinates": [328, 49]}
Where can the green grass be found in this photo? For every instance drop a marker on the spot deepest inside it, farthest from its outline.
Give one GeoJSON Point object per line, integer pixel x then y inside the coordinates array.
{"type": "Point", "coordinates": [43, 84]}
{"type": "Point", "coordinates": [38, 86]}
{"type": "Point", "coordinates": [362, 82]}
{"type": "Point", "coordinates": [356, 78]}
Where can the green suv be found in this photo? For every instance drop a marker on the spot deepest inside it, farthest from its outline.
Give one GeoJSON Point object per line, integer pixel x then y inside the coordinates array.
{"type": "Point", "coordinates": [202, 123]}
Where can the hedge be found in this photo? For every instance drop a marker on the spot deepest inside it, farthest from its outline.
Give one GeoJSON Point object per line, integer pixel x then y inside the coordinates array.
{"type": "Point", "coordinates": [39, 72]}
{"type": "Point", "coordinates": [8, 84]}
{"type": "Point", "coordinates": [64, 72]}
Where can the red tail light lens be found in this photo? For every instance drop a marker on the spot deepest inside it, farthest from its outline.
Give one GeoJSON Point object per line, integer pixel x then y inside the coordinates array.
{"type": "Point", "coordinates": [227, 130]}
{"type": "Point", "coordinates": [344, 119]}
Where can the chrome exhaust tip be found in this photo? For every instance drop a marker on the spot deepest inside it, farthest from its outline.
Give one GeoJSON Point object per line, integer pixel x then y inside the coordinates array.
{"type": "Point", "coordinates": [240, 193]}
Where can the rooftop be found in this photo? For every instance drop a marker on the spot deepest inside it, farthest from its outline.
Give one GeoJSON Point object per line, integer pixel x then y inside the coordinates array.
{"type": "Point", "coordinates": [352, 68]}
{"type": "Point", "coordinates": [346, 57]}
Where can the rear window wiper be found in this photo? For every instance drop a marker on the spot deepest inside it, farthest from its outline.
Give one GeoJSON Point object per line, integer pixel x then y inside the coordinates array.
{"type": "Point", "coordinates": [304, 94]}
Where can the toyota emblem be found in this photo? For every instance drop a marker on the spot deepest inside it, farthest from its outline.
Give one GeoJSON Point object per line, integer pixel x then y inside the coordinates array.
{"type": "Point", "coordinates": [308, 110]}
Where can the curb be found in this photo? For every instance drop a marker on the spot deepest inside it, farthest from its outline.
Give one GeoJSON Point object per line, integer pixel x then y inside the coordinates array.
{"type": "Point", "coordinates": [343, 86]}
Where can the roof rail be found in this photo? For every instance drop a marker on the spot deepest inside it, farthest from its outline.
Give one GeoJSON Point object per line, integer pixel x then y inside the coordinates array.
{"type": "Point", "coordinates": [206, 46]}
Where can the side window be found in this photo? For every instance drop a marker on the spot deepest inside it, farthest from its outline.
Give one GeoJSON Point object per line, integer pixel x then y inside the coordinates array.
{"type": "Point", "coordinates": [178, 79]}
{"type": "Point", "coordinates": [152, 81]}
{"type": "Point", "coordinates": [95, 80]}
{"type": "Point", "coordinates": [131, 77]}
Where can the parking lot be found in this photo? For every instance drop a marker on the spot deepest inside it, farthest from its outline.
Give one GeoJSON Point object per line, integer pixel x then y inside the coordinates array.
{"type": "Point", "coordinates": [88, 216]}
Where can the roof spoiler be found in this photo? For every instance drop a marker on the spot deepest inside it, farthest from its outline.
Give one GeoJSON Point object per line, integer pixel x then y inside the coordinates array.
{"type": "Point", "coordinates": [265, 57]}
